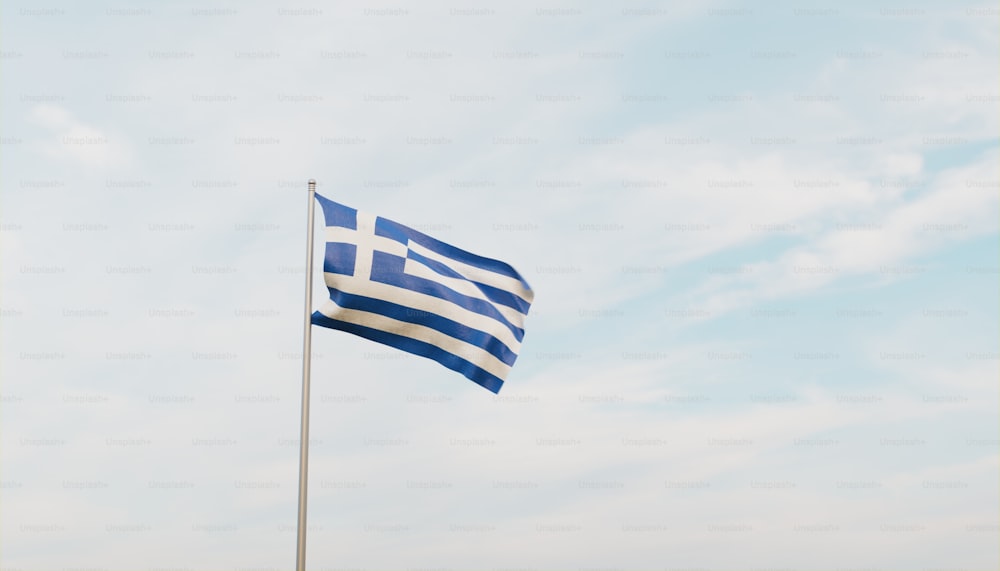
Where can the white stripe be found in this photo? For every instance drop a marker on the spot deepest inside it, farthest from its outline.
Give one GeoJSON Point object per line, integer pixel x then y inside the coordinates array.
{"type": "Point", "coordinates": [471, 353]}
{"type": "Point", "coordinates": [423, 302]}
{"type": "Point", "coordinates": [364, 250]}
{"type": "Point", "coordinates": [348, 236]}
{"type": "Point", "coordinates": [464, 287]}
{"type": "Point", "coordinates": [477, 274]}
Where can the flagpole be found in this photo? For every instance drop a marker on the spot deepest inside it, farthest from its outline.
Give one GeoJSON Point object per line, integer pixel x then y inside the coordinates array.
{"type": "Point", "coordinates": [300, 547]}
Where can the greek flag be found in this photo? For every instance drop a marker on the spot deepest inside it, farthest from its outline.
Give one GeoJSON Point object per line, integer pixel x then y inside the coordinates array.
{"type": "Point", "coordinates": [400, 287]}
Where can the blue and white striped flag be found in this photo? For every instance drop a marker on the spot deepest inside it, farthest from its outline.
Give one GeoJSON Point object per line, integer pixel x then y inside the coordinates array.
{"type": "Point", "coordinates": [400, 287]}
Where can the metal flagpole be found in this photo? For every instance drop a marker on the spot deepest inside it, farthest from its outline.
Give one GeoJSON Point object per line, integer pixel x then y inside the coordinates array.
{"type": "Point", "coordinates": [300, 548]}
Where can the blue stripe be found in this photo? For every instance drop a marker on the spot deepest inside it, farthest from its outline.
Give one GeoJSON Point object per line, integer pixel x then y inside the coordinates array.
{"type": "Point", "coordinates": [475, 374]}
{"type": "Point", "coordinates": [388, 269]}
{"type": "Point", "coordinates": [504, 297]}
{"type": "Point", "coordinates": [494, 294]}
{"type": "Point", "coordinates": [450, 328]}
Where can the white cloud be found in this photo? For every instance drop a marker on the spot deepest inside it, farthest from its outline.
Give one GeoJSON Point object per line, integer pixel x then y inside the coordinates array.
{"type": "Point", "coordinates": [76, 142]}
{"type": "Point", "coordinates": [949, 212]}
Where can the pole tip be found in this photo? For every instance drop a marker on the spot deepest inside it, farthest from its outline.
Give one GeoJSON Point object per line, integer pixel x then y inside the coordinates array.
{"type": "Point", "coordinates": [312, 181]}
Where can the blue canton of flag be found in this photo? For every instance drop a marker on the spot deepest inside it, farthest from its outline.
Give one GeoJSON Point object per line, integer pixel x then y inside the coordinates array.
{"type": "Point", "coordinates": [400, 287]}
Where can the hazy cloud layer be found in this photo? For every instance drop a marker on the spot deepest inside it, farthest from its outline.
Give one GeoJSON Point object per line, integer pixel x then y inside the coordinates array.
{"type": "Point", "coordinates": [763, 242]}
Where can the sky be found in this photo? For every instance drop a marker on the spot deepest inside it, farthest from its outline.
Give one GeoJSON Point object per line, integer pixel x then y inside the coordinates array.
{"type": "Point", "coordinates": [763, 240]}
